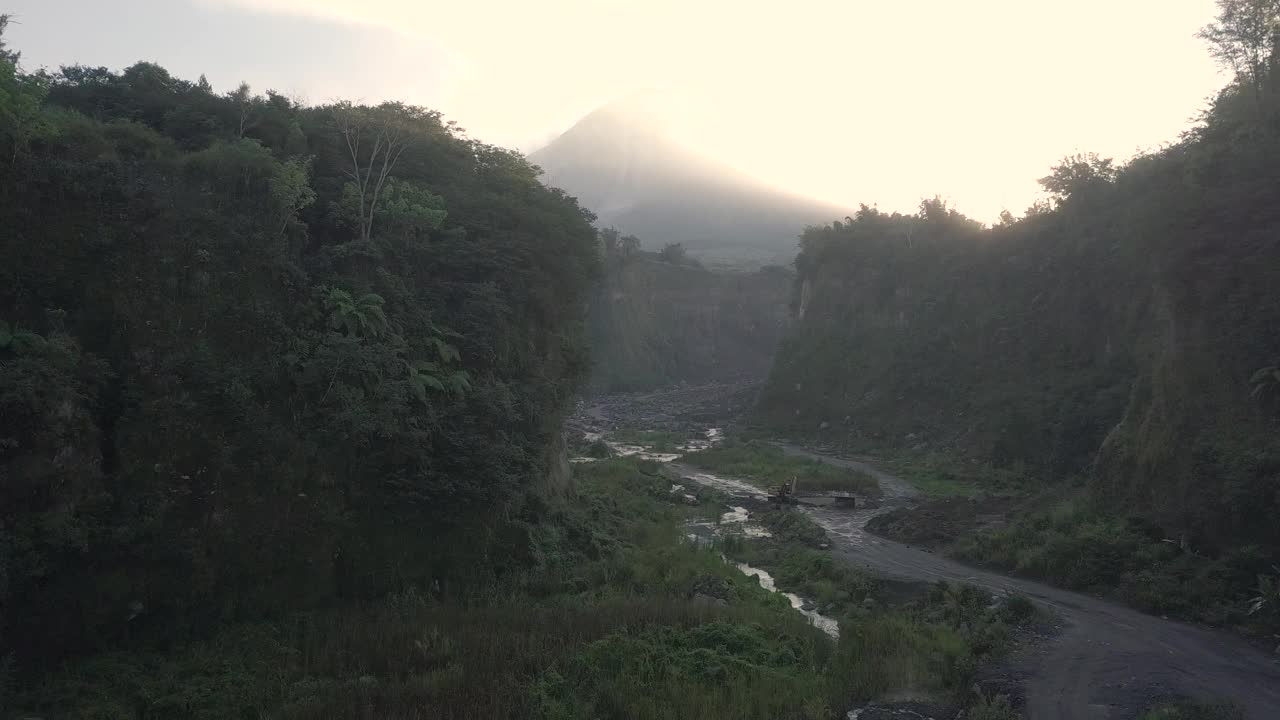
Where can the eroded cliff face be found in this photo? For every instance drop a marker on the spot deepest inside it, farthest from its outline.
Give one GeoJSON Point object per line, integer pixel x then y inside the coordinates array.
{"type": "Point", "coordinates": [654, 323]}
{"type": "Point", "coordinates": [1123, 338]}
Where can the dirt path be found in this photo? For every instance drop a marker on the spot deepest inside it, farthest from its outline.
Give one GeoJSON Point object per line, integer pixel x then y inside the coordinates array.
{"type": "Point", "coordinates": [1109, 661]}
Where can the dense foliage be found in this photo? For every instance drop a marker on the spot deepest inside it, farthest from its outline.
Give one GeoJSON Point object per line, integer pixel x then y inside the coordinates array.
{"type": "Point", "coordinates": [256, 356]}
{"type": "Point", "coordinates": [611, 614]}
{"type": "Point", "coordinates": [1124, 330]}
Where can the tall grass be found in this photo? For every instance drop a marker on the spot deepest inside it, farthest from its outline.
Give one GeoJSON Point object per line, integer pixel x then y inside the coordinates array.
{"type": "Point", "coordinates": [610, 620]}
{"type": "Point", "coordinates": [941, 475]}
{"type": "Point", "coordinates": [1193, 711]}
{"type": "Point", "coordinates": [614, 617]}
{"type": "Point", "coordinates": [1075, 544]}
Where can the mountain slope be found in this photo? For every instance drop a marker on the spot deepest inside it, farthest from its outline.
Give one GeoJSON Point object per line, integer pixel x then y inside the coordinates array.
{"type": "Point", "coordinates": [640, 180]}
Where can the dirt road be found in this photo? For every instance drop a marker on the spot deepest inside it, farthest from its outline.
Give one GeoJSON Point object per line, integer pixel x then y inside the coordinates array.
{"type": "Point", "coordinates": [1108, 662]}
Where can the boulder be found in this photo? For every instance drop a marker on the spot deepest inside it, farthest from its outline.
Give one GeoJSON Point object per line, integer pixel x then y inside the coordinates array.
{"type": "Point", "coordinates": [707, 601]}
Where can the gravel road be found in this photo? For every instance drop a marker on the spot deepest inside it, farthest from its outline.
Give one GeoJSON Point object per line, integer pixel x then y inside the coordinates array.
{"type": "Point", "coordinates": [1108, 662]}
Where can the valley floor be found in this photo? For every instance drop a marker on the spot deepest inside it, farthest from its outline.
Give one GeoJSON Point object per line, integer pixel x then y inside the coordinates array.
{"type": "Point", "coordinates": [1108, 661]}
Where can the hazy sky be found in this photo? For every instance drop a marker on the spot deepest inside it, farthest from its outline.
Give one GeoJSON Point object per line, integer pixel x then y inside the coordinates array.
{"type": "Point", "coordinates": [877, 102]}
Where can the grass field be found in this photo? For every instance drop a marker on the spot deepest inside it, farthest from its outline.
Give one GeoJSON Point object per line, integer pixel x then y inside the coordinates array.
{"type": "Point", "coordinates": [938, 475]}
{"type": "Point", "coordinates": [613, 615]}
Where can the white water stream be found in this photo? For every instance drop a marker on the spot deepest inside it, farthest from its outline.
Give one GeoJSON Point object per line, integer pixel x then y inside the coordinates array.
{"type": "Point", "coordinates": [817, 619]}
{"type": "Point", "coordinates": [737, 519]}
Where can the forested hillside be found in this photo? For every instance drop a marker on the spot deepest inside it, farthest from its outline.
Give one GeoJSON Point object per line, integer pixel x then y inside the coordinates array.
{"type": "Point", "coordinates": [257, 356]}
{"type": "Point", "coordinates": [1126, 331]}
{"type": "Point", "coordinates": [659, 317]}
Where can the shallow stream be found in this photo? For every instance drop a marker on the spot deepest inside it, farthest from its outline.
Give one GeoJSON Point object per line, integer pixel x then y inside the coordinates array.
{"type": "Point", "coordinates": [736, 520]}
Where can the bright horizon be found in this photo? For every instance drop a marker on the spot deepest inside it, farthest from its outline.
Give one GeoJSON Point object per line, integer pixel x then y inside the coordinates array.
{"type": "Point", "coordinates": [876, 103]}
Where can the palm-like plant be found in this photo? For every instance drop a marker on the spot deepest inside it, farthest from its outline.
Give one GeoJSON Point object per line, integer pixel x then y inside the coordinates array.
{"type": "Point", "coordinates": [425, 376]}
{"type": "Point", "coordinates": [1266, 383]}
{"type": "Point", "coordinates": [437, 375]}
{"type": "Point", "coordinates": [361, 316]}
{"type": "Point", "coordinates": [358, 317]}
{"type": "Point", "coordinates": [16, 339]}
{"type": "Point", "coordinates": [1268, 590]}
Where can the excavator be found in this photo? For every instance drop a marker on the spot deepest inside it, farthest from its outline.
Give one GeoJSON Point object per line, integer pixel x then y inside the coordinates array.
{"type": "Point", "coordinates": [784, 494]}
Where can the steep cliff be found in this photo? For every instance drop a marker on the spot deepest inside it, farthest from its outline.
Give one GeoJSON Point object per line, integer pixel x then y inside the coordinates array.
{"type": "Point", "coordinates": [1118, 336]}
{"type": "Point", "coordinates": [653, 323]}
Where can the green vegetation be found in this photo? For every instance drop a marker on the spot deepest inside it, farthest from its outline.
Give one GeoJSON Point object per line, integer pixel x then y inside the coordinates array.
{"type": "Point", "coordinates": [942, 475]}
{"type": "Point", "coordinates": [929, 644]}
{"type": "Point", "coordinates": [598, 449]}
{"type": "Point", "coordinates": [597, 619]}
{"type": "Point", "coordinates": [1074, 545]}
{"type": "Point", "coordinates": [243, 374]}
{"type": "Point", "coordinates": [786, 524]}
{"type": "Point", "coordinates": [608, 613]}
{"type": "Point", "coordinates": [1123, 332]}
{"type": "Point", "coordinates": [765, 466]}
{"type": "Point", "coordinates": [1193, 711]}
{"type": "Point", "coordinates": [997, 708]}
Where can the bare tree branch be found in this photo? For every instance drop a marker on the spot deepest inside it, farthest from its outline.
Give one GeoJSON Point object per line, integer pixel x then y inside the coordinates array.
{"type": "Point", "coordinates": [370, 172]}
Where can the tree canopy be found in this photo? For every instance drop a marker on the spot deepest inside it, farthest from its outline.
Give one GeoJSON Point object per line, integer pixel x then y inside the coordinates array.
{"type": "Point", "coordinates": [258, 355]}
{"type": "Point", "coordinates": [1123, 332]}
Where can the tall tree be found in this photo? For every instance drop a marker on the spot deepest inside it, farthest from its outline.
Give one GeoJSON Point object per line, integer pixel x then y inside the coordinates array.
{"type": "Point", "coordinates": [6, 55]}
{"type": "Point", "coordinates": [673, 253]}
{"type": "Point", "coordinates": [1078, 175]}
{"type": "Point", "coordinates": [375, 138]}
{"type": "Point", "coordinates": [246, 105]}
{"type": "Point", "coordinates": [1243, 37]}
{"type": "Point", "coordinates": [21, 98]}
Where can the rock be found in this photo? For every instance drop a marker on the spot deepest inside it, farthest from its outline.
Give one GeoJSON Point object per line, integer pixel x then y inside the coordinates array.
{"type": "Point", "coordinates": [824, 546]}
{"type": "Point", "coordinates": [689, 499]}
{"type": "Point", "coordinates": [808, 607]}
{"type": "Point", "coordinates": [896, 711]}
{"type": "Point", "coordinates": [824, 425]}
{"type": "Point", "coordinates": [869, 603]}
{"type": "Point", "coordinates": [707, 601]}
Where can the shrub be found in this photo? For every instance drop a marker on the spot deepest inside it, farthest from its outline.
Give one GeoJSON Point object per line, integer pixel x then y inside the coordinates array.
{"type": "Point", "coordinates": [1018, 609]}
{"type": "Point", "coordinates": [997, 708]}
{"type": "Point", "coordinates": [1194, 711]}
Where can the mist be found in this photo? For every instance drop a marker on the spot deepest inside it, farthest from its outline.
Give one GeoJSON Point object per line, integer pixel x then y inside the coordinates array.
{"type": "Point", "coordinates": [845, 103]}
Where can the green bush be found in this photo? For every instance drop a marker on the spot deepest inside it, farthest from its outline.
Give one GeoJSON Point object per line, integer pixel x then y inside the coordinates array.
{"type": "Point", "coordinates": [1018, 609]}
{"type": "Point", "coordinates": [1074, 545]}
{"type": "Point", "coordinates": [997, 708]}
{"type": "Point", "coordinates": [596, 620]}
{"type": "Point", "coordinates": [1194, 711]}
{"type": "Point", "coordinates": [793, 526]}
{"type": "Point", "coordinates": [599, 449]}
